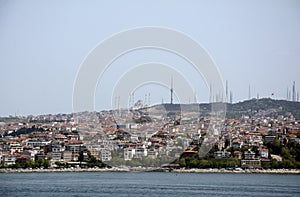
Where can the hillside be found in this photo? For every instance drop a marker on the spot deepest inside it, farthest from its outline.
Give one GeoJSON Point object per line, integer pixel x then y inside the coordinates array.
{"type": "Point", "coordinates": [254, 107]}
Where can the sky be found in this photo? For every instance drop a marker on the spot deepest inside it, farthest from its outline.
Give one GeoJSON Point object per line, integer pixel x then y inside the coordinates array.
{"type": "Point", "coordinates": [44, 43]}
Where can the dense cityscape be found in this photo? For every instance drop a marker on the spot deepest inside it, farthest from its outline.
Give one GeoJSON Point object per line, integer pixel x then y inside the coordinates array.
{"type": "Point", "coordinates": [157, 137]}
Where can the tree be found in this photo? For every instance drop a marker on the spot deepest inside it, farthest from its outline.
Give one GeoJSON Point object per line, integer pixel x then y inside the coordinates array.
{"type": "Point", "coordinates": [285, 153]}
{"type": "Point", "coordinates": [182, 162]}
{"type": "Point", "coordinates": [275, 146]}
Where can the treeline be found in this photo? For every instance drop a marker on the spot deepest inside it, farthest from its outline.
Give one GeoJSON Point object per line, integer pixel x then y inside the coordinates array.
{"type": "Point", "coordinates": [40, 163]}
{"type": "Point", "coordinates": [195, 162]}
{"type": "Point", "coordinates": [290, 153]}
{"type": "Point", "coordinates": [24, 130]}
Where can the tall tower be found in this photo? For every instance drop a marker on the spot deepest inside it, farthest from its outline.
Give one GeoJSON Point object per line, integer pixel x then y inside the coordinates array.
{"type": "Point", "coordinates": [132, 99]}
{"type": "Point", "coordinates": [226, 99]}
{"type": "Point", "coordinates": [129, 102]}
{"type": "Point", "coordinates": [171, 90]}
{"type": "Point", "coordinates": [294, 92]}
{"type": "Point", "coordinates": [148, 99]}
{"type": "Point", "coordinates": [249, 93]}
{"type": "Point", "coordinates": [210, 94]}
{"type": "Point", "coordinates": [145, 101]}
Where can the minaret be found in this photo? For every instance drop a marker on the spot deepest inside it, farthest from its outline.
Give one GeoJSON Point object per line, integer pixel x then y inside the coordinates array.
{"type": "Point", "coordinates": [171, 90]}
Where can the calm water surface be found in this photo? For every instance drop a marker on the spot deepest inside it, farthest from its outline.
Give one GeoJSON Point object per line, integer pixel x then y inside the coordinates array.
{"type": "Point", "coordinates": [148, 184]}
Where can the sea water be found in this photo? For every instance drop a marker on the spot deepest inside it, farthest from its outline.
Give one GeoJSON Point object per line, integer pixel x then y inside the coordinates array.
{"type": "Point", "coordinates": [147, 184]}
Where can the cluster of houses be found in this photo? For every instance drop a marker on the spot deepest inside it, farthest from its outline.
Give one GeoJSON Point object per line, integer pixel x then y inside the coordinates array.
{"type": "Point", "coordinates": [69, 138]}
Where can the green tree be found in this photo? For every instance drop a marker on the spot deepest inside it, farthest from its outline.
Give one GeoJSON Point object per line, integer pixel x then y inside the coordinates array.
{"type": "Point", "coordinates": [285, 153]}
{"type": "Point", "coordinates": [275, 146]}
{"type": "Point", "coordinates": [182, 162]}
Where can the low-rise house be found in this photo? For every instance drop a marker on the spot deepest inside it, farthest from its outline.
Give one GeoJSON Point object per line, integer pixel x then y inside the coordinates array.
{"type": "Point", "coordinates": [189, 153]}
{"type": "Point", "coordinates": [129, 154]}
{"type": "Point", "coordinates": [251, 163]}
{"type": "Point", "coordinates": [141, 152]}
{"type": "Point", "coordinates": [22, 159]}
{"type": "Point", "coordinates": [75, 157]}
{"type": "Point", "coordinates": [31, 153]}
{"type": "Point", "coordinates": [238, 154]}
{"type": "Point", "coordinates": [15, 148]}
{"type": "Point", "coordinates": [264, 153]}
{"type": "Point", "coordinates": [57, 147]}
{"type": "Point", "coordinates": [269, 138]}
{"type": "Point", "coordinates": [9, 159]}
{"type": "Point", "coordinates": [40, 155]}
{"type": "Point", "coordinates": [55, 156]}
{"type": "Point", "coordinates": [37, 143]}
{"type": "Point", "coordinates": [236, 144]}
{"type": "Point", "coordinates": [221, 154]}
{"type": "Point", "coordinates": [75, 147]}
{"type": "Point", "coordinates": [105, 155]}
{"type": "Point", "coordinates": [67, 156]}
{"type": "Point", "coordinates": [249, 155]}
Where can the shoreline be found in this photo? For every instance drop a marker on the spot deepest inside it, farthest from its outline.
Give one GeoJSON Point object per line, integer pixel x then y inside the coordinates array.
{"type": "Point", "coordinates": [246, 171]}
{"type": "Point", "coordinates": [62, 170]}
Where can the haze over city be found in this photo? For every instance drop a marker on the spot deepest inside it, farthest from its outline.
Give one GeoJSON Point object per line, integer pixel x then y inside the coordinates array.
{"type": "Point", "coordinates": [43, 44]}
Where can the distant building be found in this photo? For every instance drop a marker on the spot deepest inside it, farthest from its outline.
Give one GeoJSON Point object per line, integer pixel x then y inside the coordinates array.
{"type": "Point", "coordinates": [128, 154]}
{"type": "Point", "coordinates": [9, 159]}
{"type": "Point", "coordinates": [221, 154]}
{"type": "Point", "coordinates": [55, 156]}
{"type": "Point", "coordinates": [269, 138]}
{"type": "Point", "coordinates": [238, 154]}
{"type": "Point", "coordinates": [264, 153]}
{"type": "Point", "coordinates": [67, 156]}
{"type": "Point", "coordinates": [249, 155]}
{"type": "Point", "coordinates": [251, 163]}
{"type": "Point", "coordinates": [105, 155]}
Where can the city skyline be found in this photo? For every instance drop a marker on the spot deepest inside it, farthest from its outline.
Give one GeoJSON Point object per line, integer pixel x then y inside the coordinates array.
{"type": "Point", "coordinates": [253, 44]}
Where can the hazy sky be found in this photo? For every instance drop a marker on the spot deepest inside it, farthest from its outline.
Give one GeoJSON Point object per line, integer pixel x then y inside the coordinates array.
{"type": "Point", "coordinates": [43, 43]}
